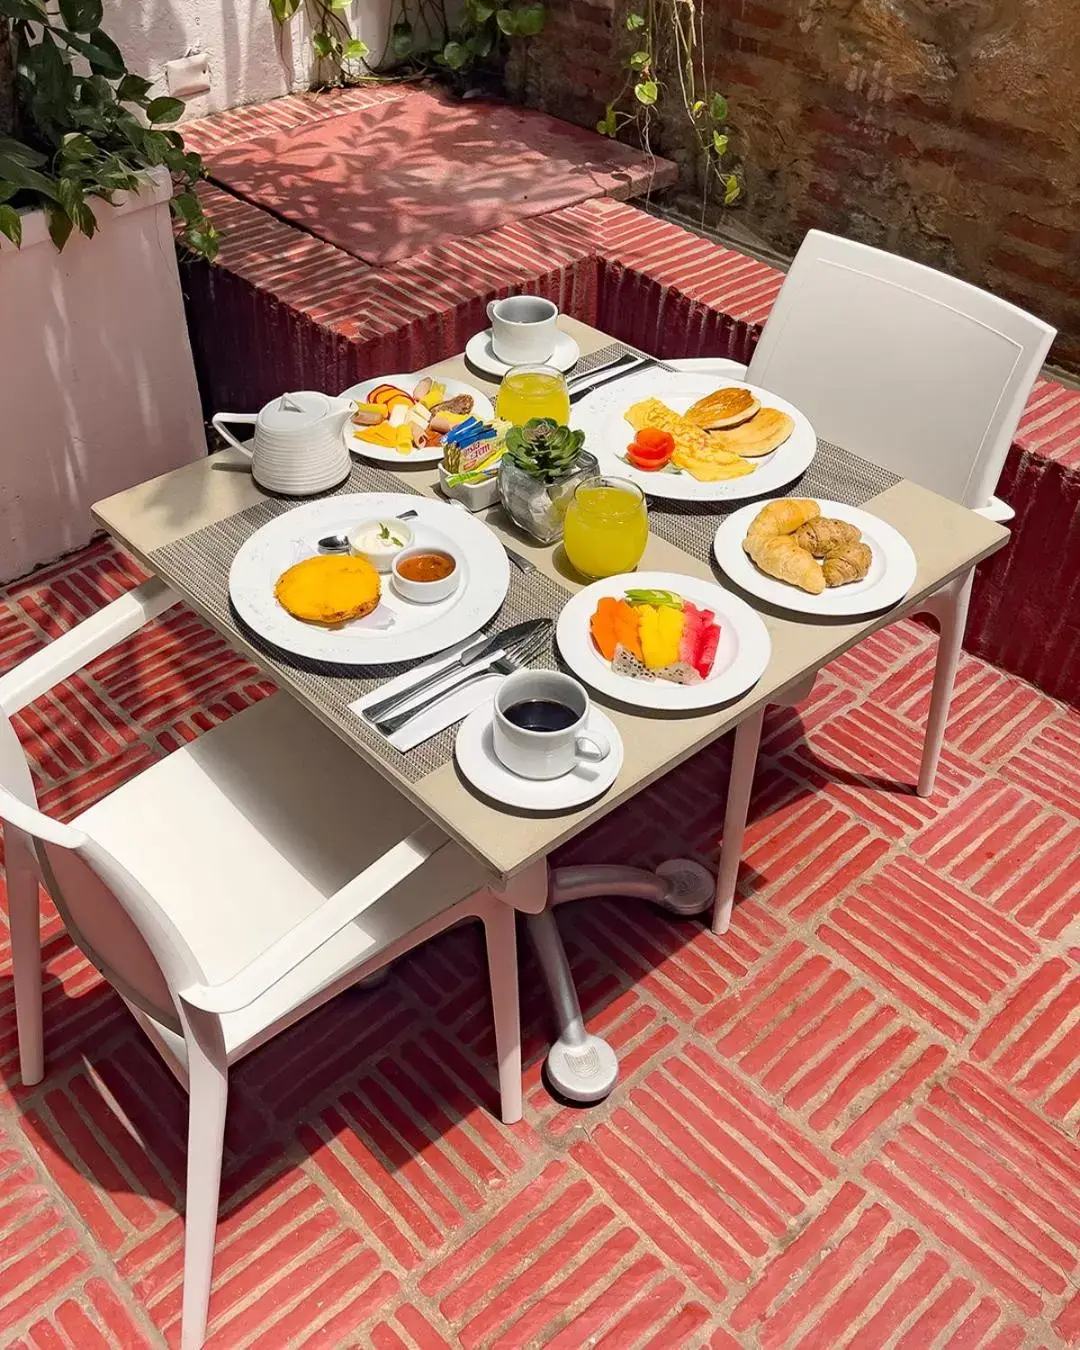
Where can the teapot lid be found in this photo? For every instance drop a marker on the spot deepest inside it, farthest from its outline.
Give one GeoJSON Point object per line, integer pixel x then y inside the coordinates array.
{"type": "Point", "coordinates": [294, 412]}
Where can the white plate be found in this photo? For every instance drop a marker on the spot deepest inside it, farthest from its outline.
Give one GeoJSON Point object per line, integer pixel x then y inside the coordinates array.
{"type": "Point", "coordinates": [481, 354]}
{"type": "Point", "coordinates": [384, 454]}
{"type": "Point", "coordinates": [741, 657]}
{"type": "Point", "coordinates": [475, 754]}
{"type": "Point", "coordinates": [608, 433]}
{"type": "Point", "coordinates": [397, 630]}
{"type": "Point", "coordinates": [891, 576]}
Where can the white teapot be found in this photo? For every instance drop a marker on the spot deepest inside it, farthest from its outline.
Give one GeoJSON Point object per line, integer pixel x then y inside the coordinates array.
{"type": "Point", "coordinates": [298, 448]}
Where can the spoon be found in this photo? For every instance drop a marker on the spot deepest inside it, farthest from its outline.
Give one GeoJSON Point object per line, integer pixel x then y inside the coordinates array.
{"type": "Point", "coordinates": [339, 543]}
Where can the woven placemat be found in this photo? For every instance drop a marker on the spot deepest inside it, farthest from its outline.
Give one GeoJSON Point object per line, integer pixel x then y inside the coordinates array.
{"type": "Point", "coordinates": [835, 474]}
{"type": "Point", "coordinates": [198, 566]}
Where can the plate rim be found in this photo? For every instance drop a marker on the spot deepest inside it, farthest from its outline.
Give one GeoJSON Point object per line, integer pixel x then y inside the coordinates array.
{"type": "Point", "coordinates": [608, 726]}
{"type": "Point", "coordinates": [479, 336]}
{"type": "Point", "coordinates": [695, 697]}
{"type": "Point", "coordinates": [847, 602]}
{"type": "Point", "coordinates": [733, 490]}
{"type": "Point", "coordinates": [313, 651]}
{"type": "Point", "coordinates": [378, 454]}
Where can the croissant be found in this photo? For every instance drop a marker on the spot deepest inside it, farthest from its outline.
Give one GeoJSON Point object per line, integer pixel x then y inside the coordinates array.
{"type": "Point", "coordinates": [781, 557]}
{"type": "Point", "coordinates": [849, 563]}
{"type": "Point", "coordinates": [824, 536]}
{"type": "Point", "coordinates": [783, 516]}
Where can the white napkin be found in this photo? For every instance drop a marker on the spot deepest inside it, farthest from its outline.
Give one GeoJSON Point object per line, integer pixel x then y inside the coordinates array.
{"type": "Point", "coordinates": [453, 708]}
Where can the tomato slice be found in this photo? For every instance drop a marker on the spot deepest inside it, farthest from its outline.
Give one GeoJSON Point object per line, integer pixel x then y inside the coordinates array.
{"type": "Point", "coordinates": [647, 460]}
{"type": "Point", "coordinates": [651, 438]}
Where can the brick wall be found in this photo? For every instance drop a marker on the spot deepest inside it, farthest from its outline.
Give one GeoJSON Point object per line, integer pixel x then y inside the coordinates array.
{"type": "Point", "coordinates": [945, 130]}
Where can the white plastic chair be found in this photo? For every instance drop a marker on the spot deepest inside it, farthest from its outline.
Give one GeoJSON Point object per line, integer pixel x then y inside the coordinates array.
{"type": "Point", "coordinates": [227, 891]}
{"type": "Point", "coordinates": [919, 373]}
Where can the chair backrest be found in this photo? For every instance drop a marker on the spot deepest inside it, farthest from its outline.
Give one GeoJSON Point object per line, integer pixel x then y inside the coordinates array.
{"type": "Point", "coordinates": [901, 364]}
{"type": "Point", "coordinates": [110, 916]}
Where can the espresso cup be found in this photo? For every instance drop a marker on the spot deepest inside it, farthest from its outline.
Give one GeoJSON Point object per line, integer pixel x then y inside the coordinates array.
{"type": "Point", "coordinates": [544, 753]}
{"type": "Point", "coordinates": [523, 329]}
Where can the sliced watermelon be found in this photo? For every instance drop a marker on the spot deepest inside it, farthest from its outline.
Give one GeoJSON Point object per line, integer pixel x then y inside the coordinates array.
{"type": "Point", "coordinates": [690, 641]}
{"type": "Point", "coordinates": [706, 654]}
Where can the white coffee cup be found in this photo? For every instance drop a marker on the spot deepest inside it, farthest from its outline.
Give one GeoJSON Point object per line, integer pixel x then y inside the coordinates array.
{"type": "Point", "coordinates": [545, 754]}
{"type": "Point", "coordinates": [523, 329]}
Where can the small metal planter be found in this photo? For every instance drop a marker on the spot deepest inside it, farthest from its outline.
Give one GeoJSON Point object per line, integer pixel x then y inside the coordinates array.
{"type": "Point", "coordinates": [537, 507]}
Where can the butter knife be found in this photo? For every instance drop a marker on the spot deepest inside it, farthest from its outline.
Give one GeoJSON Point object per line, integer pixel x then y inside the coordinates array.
{"type": "Point", "coordinates": [475, 651]}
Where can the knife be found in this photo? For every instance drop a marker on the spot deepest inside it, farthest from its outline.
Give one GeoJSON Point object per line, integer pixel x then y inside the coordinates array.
{"type": "Point", "coordinates": [475, 651]}
{"type": "Point", "coordinates": [578, 393]}
{"type": "Point", "coordinates": [579, 379]}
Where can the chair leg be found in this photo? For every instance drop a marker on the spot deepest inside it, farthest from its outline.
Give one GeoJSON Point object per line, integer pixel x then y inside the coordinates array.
{"type": "Point", "coordinates": [500, 935]}
{"type": "Point", "coordinates": [950, 605]}
{"type": "Point", "coordinates": [24, 917]}
{"type": "Point", "coordinates": [743, 762]}
{"type": "Point", "coordinates": [208, 1089]}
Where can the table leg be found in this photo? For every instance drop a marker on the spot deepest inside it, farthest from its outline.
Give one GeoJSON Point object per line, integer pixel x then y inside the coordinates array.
{"type": "Point", "coordinates": [743, 760]}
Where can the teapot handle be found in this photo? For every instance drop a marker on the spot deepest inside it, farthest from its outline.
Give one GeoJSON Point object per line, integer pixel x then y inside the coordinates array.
{"type": "Point", "coordinates": [247, 419]}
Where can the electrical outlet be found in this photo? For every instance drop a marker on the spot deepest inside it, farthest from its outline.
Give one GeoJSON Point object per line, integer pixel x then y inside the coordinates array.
{"type": "Point", "coordinates": [188, 76]}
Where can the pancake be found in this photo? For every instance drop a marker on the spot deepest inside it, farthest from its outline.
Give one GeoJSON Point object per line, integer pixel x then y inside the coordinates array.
{"type": "Point", "coordinates": [763, 434]}
{"type": "Point", "coordinates": [329, 590]}
{"type": "Point", "coordinates": [724, 408]}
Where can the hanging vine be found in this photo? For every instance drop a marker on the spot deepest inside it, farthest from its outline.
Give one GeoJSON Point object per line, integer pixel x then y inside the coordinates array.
{"type": "Point", "coordinates": [425, 37]}
{"type": "Point", "coordinates": [669, 42]}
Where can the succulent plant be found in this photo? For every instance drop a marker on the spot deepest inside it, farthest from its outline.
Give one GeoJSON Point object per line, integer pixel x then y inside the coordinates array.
{"type": "Point", "coordinates": [543, 449]}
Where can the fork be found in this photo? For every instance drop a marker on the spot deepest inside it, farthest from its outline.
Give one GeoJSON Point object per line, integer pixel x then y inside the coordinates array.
{"type": "Point", "coordinates": [578, 393]}
{"type": "Point", "coordinates": [523, 564]}
{"type": "Point", "coordinates": [511, 660]}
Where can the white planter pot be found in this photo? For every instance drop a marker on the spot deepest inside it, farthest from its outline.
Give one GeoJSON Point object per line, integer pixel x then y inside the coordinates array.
{"type": "Point", "coordinates": [97, 385]}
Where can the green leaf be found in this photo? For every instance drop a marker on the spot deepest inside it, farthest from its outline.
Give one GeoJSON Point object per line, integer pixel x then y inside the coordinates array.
{"type": "Point", "coordinates": [60, 225]}
{"type": "Point", "coordinates": [19, 153]}
{"type": "Point", "coordinates": [647, 92]}
{"type": "Point", "coordinates": [530, 20]}
{"type": "Point", "coordinates": [132, 89]}
{"type": "Point", "coordinates": [507, 21]}
{"type": "Point", "coordinates": [101, 51]}
{"type": "Point", "coordinates": [401, 39]}
{"type": "Point", "coordinates": [81, 16]}
{"type": "Point", "coordinates": [607, 125]}
{"type": "Point", "coordinates": [697, 107]}
{"type": "Point", "coordinates": [283, 10]}
{"type": "Point", "coordinates": [480, 44]}
{"type": "Point", "coordinates": [635, 21]}
{"type": "Point", "coordinates": [482, 11]}
{"type": "Point", "coordinates": [732, 190]}
{"type": "Point", "coordinates": [29, 10]}
{"type": "Point", "coordinates": [356, 50]}
{"type": "Point", "coordinates": [639, 60]}
{"type": "Point", "coordinates": [455, 55]}
{"type": "Point", "coordinates": [325, 45]}
{"type": "Point", "coordinates": [76, 146]}
{"type": "Point", "coordinates": [165, 109]}
{"type": "Point", "coordinates": [11, 224]}
{"type": "Point", "coordinates": [719, 143]}
{"type": "Point", "coordinates": [718, 109]}
{"type": "Point", "coordinates": [339, 5]}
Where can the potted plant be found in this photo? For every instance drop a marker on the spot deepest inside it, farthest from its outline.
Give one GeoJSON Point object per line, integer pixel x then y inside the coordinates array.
{"type": "Point", "coordinates": [542, 465]}
{"type": "Point", "coordinates": [96, 377]}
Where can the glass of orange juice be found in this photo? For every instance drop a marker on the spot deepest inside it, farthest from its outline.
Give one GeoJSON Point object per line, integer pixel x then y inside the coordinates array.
{"type": "Point", "coordinates": [533, 391]}
{"type": "Point", "coordinates": [606, 527]}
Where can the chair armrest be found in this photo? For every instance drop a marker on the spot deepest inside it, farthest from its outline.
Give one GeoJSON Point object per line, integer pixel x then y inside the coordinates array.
{"type": "Point", "coordinates": [996, 509]}
{"type": "Point", "coordinates": [83, 644]}
{"type": "Point", "coordinates": [306, 937]}
{"type": "Point", "coordinates": [33, 822]}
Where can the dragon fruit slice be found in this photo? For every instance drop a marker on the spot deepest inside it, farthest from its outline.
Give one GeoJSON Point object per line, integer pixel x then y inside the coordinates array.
{"type": "Point", "coordinates": [624, 662]}
{"type": "Point", "coordinates": [679, 672]}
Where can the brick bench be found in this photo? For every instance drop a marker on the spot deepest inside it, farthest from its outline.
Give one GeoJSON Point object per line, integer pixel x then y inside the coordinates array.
{"type": "Point", "coordinates": [281, 309]}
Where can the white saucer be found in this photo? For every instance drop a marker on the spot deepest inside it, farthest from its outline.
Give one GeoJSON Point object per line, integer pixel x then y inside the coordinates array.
{"type": "Point", "coordinates": [476, 759]}
{"type": "Point", "coordinates": [480, 354]}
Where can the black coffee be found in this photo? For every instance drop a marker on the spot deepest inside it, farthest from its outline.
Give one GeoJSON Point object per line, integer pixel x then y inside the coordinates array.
{"type": "Point", "coordinates": [541, 714]}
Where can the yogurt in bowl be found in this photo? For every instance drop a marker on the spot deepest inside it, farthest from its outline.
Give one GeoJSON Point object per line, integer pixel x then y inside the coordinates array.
{"type": "Point", "coordinates": [380, 541]}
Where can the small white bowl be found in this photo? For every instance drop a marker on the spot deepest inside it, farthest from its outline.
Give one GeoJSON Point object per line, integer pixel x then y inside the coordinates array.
{"type": "Point", "coordinates": [425, 592]}
{"type": "Point", "coordinates": [475, 496]}
{"type": "Point", "coordinates": [381, 557]}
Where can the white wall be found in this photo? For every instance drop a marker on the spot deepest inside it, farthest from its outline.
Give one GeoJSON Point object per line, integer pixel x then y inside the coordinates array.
{"type": "Point", "coordinates": [251, 58]}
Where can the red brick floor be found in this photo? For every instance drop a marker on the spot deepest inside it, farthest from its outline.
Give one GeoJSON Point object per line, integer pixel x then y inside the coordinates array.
{"type": "Point", "coordinates": [849, 1122]}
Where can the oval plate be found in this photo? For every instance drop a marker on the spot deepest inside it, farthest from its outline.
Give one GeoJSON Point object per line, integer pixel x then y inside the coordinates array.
{"type": "Point", "coordinates": [608, 433]}
{"type": "Point", "coordinates": [891, 576]}
{"type": "Point", "coordinates": [382, 454]}
{"type": "Point", "coordinates": [397, 630]}
{"type": "Point", "coordinates": [741, 657]}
